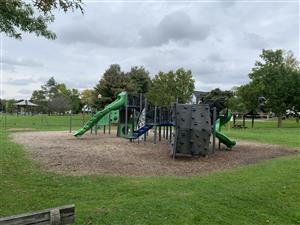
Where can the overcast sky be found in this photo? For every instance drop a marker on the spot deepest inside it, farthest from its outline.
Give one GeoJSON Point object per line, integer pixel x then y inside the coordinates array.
{"type": "Point", "coordinates": [218, 41]}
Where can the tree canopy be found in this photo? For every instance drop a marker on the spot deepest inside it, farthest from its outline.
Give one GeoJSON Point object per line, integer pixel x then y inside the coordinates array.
{"type": "Point", "coordinates": [56, 97]}
{"type": "Point", "coordinates": [277, 78]}
{"type": "Point", "coordinates": [17, 16]}
{"type": "Point", "coordinates": [171, 87]}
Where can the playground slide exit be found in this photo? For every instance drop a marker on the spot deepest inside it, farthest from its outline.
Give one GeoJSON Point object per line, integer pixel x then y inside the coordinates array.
{"type": "Point", "coordinates": [222, 137]}
{"type": "Point", "coordinates": [115, 105]}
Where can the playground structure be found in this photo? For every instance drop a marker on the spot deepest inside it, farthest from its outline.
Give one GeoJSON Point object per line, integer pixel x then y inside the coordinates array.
{"type": "Point", "coordinates": [188, 127]}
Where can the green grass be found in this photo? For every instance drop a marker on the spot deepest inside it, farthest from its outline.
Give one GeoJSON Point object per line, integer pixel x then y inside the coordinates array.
{"type": "Point", "coordinates": [42, 122]}
{"type": "Point", "coordinates": [266, 132]}
{"type": "Point", "coordinates": [266, 193]}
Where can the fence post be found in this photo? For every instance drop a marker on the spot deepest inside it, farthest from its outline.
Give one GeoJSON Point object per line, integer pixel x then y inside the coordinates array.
{"type": "Point", "coordinates": [5, 121]}
{"type": "Point", "coordinates": [145, 135]}
{"type": "Point", "coordinates": [214, 129]}
{"type": "Point", "coordinates": [155, 125]}
{"type": "Point", "coordinates": [70, 121]}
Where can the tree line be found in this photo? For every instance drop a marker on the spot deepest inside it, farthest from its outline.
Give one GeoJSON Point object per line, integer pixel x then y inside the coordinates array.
{"type": "Point", "coordinates": [163, 89]}
{"type": "Point", "coordinates": [274, 84]}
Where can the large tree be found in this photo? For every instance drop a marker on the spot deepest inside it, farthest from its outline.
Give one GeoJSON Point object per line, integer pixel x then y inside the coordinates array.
{"type": "Point", "coordinates": [171, 87]}
{"type": "Point", "coordinates": [86, 97]}
{"type": "Point", "coordinates": [51, 90]}
{"type": "Point", "coordinates": [218, 95]}
{"type": "Point", "coordinates": [139, 80]}
{"type": "Point", "coordinates": [38, 97]}
{"type": "Point", "coordinates": [60, 103]}
{"type": "Point", "coordinates": [185, 85]}
{"type": "Point", "coordinates": [112, 82]}
{"type": "Point", "coordinates": [276, 77]}
{"type": "Point", "coordinates": [17, 16]}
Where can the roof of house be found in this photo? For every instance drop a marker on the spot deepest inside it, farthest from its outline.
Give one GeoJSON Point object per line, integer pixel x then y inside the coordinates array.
{"type": "Point", "coordinates": [25, 103]}
{"type": "Point", "coordinates": [199, 93]}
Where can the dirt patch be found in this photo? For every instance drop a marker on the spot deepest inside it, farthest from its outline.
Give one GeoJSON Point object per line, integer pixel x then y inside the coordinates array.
{"type": "Point", "coordinates": [109, 155]}
{"type": "Point", "coordinates": [21, 129]}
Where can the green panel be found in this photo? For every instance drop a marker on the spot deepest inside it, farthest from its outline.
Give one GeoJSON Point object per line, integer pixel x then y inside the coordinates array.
{"type": "Point", "coordinates": [121, 130]}
{"type": "Point", "coordinates": [114, 118]}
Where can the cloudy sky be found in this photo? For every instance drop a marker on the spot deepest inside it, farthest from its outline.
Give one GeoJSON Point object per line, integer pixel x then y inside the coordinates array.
{"type": "Point", "coordinates": [218, 41]}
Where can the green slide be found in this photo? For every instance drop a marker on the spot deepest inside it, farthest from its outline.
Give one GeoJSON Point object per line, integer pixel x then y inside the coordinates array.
{"type": "Point", "coordinates": [222, 137]}
{"type": "Point", "coordinates": [118, 103]}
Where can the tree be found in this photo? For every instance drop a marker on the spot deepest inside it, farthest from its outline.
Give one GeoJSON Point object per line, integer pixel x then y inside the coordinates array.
{"type": "Point", "coordinates": [87, 97]}
{"type": "Point", "coordinates": [171, 87]}
{"type": "Point", "coordinates": [185, 85]}
{"type": "Point", "coordinates": [10, 106]}
{"type": "Point", "coordinates": [249, 94]}
{"type": "Point", "coordinates": [163, 89]}
{"type": "Point", "coordinates": [112, 82]}
{"type": "Point", "coordinates": [216, 94]}
{"type": "Point", "coordinates": [139, 80]}
{"type": "Point", "coordinates": [60, 103]}
{"type": "Point", "coordinates": [75, 100]}
{"type": "Point", "coordinates": [18, 16]}
{"type": "Point", "coordinates": [39, 98]}
{"type": "Point", "coordinates": [276, 77]}
{"type": "Point", "coordinates": [50, 89]}
{"type": "Point", "coordinates": [2, 105]}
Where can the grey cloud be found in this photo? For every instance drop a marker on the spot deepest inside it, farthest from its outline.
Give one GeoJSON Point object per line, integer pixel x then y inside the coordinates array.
{"type": "Point", "coordinates": [22, 62]}
{"type": "Point", "coordinates": [215, 57]}
{"type": "Point", "coordinates": [25, 91]}
{"type": "Point", "coordinates": [177, 27]}
{"type": "Point", "coordinates": [218, 42]}
{"type": "Point", "coordinates": [255, 41]}
{"type": "Point", "coordinates": [20, 82]}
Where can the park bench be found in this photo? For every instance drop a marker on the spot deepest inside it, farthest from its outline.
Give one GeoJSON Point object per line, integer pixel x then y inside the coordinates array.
{"type": "Point", "coordinates": [56, 216]}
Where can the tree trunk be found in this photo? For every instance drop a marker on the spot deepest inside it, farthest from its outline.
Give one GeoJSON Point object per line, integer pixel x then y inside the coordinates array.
{"type": "Point", "coordinates": [279, 122]}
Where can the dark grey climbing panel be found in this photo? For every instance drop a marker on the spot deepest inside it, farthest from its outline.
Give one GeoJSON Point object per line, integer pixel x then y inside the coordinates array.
{"type": "Point", "coordinates": [193, 129]}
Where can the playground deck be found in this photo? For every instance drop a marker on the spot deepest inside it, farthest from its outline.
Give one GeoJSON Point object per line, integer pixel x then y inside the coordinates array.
{"type": "Point", "coordinates": [109, 155]}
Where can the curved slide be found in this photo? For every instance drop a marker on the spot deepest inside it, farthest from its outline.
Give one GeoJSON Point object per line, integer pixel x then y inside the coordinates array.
{"type": "Point", "coordinates": [222, 137]}
{"type": "Point", "coordinates": [118, 103]}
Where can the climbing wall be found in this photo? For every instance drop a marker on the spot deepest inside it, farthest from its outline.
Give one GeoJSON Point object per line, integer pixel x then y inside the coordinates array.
{"type": "Point", "coordinates": [193, 129]}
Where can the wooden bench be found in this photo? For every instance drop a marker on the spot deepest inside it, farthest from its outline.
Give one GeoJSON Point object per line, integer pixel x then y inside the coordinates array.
{"type": "Point", "coordinates": [56, 216]}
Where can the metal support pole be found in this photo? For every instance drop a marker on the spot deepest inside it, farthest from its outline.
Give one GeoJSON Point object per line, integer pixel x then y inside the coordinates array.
{"type": "Point", "coordinates": [167, 132]}
{"type": "Point", "coordinates": [155, 125]}
{"type": "Point", "coordinates": [5, 122]}
{"type": "Point", "coordinates": [145, 135]}
{"type": "Point", "coordinates": [109, 123]}
{"type": "Point", "coordinates": [164, 131]}
{"type": "Point", "coordinates": [126, 120]}
{"type": "Point", "coordinates": [170, 138]}
{"type": "Point", "coordinates": [175, 136]}
{"type": "Point", "coordinates": [159, 133]}
{"type": "Point", "coordinates": [70, 121]}
{"type": "Point", "coordinates": [141, 103]}
{"type": "Point", "coordinates": [104, 129]}
{"type": "Point", "coordinates": [214, 128]}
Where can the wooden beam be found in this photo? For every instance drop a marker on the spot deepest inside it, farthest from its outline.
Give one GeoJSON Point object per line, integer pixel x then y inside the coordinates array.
{"type": "Point", "coordinates": [56, 216]}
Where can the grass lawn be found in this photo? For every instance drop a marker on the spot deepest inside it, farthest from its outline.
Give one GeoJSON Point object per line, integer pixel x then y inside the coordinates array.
{"type": "Point", "coordinates": [42, 122]}
{"type": "Point", "coordinates": [266, 193]}
{"type": "Point", "coordinates": [265, 131]}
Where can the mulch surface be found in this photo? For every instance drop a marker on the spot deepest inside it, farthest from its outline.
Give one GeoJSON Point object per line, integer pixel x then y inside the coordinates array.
{"type": "Point", "coordinates": [105, 154]}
